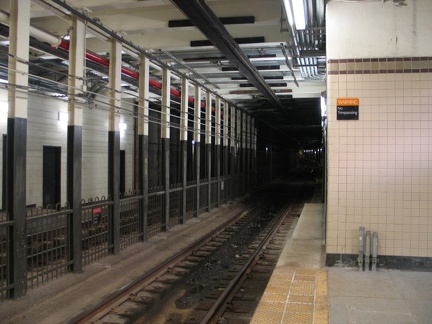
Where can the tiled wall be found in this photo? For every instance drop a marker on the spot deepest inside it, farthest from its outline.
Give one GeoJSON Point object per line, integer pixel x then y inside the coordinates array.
{"type": "Point", "coordinates": [380, 166]}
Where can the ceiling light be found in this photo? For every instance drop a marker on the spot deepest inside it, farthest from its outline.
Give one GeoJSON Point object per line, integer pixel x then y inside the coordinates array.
{"type": "Point", "coordinates": [295, 11]}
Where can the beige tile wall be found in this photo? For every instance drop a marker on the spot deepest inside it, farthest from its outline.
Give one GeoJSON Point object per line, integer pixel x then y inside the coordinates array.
{"type": "Point", "coordinates": [380, 166]}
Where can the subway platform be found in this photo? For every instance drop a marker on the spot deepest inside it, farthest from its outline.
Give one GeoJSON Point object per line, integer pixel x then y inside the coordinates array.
{"type": "Point", "coordinates": [301, 289]}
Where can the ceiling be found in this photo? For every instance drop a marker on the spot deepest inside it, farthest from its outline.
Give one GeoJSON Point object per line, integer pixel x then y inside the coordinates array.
{"type": "Point", "coordinates": [241, 50]}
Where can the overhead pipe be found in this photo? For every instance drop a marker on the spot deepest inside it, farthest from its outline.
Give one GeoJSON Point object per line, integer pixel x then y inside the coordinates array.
{"type": "Point", "coordinates": [59, 42]}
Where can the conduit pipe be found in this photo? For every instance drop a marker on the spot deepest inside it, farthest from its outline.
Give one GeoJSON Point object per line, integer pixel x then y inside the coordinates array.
{"type": "Point", "coordinates": [367, 251]}
{"type": "Point", "coordinates": [375, 251]}
{"type": "Point", "coordinates": [361, 248]}
{"type": "Point", "coordinates": [58, 42]}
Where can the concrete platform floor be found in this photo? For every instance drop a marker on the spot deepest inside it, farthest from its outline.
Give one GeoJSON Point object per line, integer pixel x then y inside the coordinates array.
{"type": "Point", "coordinates": [303, 290]}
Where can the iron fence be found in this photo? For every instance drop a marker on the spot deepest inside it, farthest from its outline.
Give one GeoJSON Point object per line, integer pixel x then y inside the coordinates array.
{"type": "Point", "coordinates": [190, 199]}
{"type": "Point", "coordinates": [214, 184]}
{"type": "Point", "coordinates": [5, 228]}
{"type": "Point", "coordinates": [131, 222]}
{"type": "Point", "coordinates": [203, 195]}
{"type": "Point", "coordinates": [47, 244]}
{"type": "Point", "coordinates": [175, 204]}
{"type": "Point", "coordinates": [156, 205]}
{"type": "Point", "coordinates": [95, 225]}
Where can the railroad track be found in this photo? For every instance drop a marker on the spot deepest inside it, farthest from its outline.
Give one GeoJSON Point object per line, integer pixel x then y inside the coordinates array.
{"type": "Point", "coordinates": [217, 295]}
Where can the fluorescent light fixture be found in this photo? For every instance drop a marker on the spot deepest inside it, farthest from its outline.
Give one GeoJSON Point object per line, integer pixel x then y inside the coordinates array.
{"type": "Point", "coordinates": [295, 11]}
{"type": "Point", "coordinates": [299, 14]}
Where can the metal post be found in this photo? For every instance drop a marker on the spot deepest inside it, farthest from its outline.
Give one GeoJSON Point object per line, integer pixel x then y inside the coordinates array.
{"type": "Point", "coordinates": [143, 139]}
{"type": "Point", "coordinates": [165, 135]}
{"type": "Point", "coordinates": [367, 251]}
{"type": "Point", "coordinates": [74, 141]}
{"type": "Point", "coordinates": [375, 251]}
{"type": "Point", "coordinates": [225, 149]}
{"type": "Point", "coordinates": [197, 139]}
{"type": "Point", "coordinates": [17, 144]}
{"type": "Point", "coordinates": [361, 248]}
{"type": "Point", "coordinates": [183, 144]}
{"type": "Point", "coordinates": [114, 144]}
{"type": "Point", "coordinates": [208, 124]}
{"type": "Point", "coordinates": [217, 146]}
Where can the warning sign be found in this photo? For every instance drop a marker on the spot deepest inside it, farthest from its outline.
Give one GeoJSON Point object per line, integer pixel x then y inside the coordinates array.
{"type": "Point", "coordinates": [347, 108]}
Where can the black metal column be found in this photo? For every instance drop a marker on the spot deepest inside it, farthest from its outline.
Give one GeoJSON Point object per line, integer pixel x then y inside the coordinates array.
{"type": "Point", "coordinates": [74, 185]}
{"type": "Point", "coordinates": [197, 176]}
{"type": "Point", "coordinates": [143, 181]}
{"type": "Point", "coordinates": [183, 147]}
{"type": "Point", "coordinates": [218, 174]}
{"type": "Point", "coordinates": [226, 175]}
{"type": "Point", "coordinates": [166, 182]}
{"type": "Point", "coordinates": [114, 189]}
{"type": "Point", "coordinates": [208, 173]}
{"type": "Point", "coordinates": [16, 204]}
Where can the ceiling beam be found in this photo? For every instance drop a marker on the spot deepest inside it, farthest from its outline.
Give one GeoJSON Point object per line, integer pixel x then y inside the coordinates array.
{"type": "Point", "coordinates": [209, 24]}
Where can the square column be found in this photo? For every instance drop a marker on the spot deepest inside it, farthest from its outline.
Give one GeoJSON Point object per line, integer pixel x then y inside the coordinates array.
{"type": "Point", "coordinates": [143, 140]}
{"type": "Point", "coordinates": [165, 135]}
{"type": "Point", "coordinates": [183, 143]}
{"type": "Point", "coordinates": [114, 144]}
{"type": "Point", "coordinates": [197, 139]}
{"type": "Point", "coordinates": [208, 131]}
{"type": "Point", "coordinates": [74, 140]}
{"type": "Point", "coordinates": [17, 143]}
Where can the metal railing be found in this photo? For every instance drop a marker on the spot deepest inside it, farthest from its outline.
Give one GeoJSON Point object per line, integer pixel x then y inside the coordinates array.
{"type": "Point", "coordinates": [95, 229]}
{"type": "Point", "coordinates": [47, 244]}
{"type": "Point", "coordinates": [49, 230]}
{"type": "Point", "coordinates": [5, 229]}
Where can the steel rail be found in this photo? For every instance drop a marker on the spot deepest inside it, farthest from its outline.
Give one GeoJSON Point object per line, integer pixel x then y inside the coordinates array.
{"type": "Point", "coordinates": [157, 271]}
{"type": "Point", "coordinates": [230, 290]}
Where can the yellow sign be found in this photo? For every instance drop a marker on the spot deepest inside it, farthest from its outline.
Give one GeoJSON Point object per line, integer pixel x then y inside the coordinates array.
{"type": "Point", "coordinates": [348, 102]}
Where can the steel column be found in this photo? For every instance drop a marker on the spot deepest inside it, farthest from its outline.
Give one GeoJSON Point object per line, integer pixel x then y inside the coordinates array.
{"type": "Point", "coordinates": [233, 150]}
{"type": "Point", "coordinates": [208, 145]}
{"type": "Point", "coordinates": [17, 144]}
{"type": "Point", "coordinates": [165, 135]}
{"type": "Point", "coordinates": [74, 141]}
{"type": "Point", "coordinates": [225, 147]}
{"type": "Point", "coordinates": [239, 130]}
{"type": "Point", "coordinates": [183, 144]}
{"type": "Point", "coordinates": [197, 139]}
{"type": "Point", "coordinates": [114, 144]}
{"type": "Point", "coordinates": [217, 146]}
{"type": "Point", "coordinates": [143, 139]}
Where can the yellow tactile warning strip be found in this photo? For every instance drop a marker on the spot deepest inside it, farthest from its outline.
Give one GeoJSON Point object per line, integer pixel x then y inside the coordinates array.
{"type": "Point", "coordinates": [294, 296]}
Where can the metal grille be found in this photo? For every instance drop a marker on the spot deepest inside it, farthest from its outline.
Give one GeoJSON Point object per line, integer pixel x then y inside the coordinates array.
{"type": "Point", "coordinates": [94, 230]}
{"type": "Point", "coordinates": [203, 195]}
{"type": "Point", "coordinates": [214, 192]}
{"type": "Point", "coordinates": [156, 201]}
{"type": "Point", "coordinates": [175, 204]}
{"type": "Point", "coordinates": [190, 200]}
{"type": "Point", "coordinates": [47, 245]}
{"type": "Point", "coordinates": [5, 227]}
{"type": "Point", "coordinates": [131, 229]}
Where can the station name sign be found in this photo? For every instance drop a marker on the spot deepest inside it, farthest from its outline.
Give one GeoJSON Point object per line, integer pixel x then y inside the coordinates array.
{"type": "Point", "coordinates": [347, 108]}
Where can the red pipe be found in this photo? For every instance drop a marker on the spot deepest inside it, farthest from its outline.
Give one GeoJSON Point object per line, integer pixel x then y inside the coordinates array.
{"type": "Point", "coordinates": [135, 75]}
